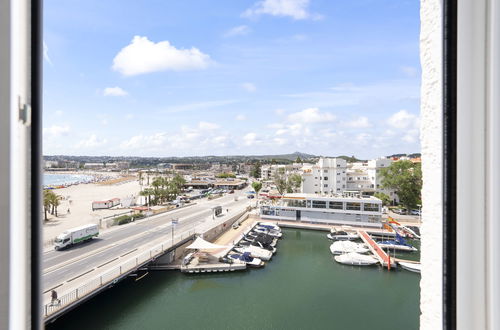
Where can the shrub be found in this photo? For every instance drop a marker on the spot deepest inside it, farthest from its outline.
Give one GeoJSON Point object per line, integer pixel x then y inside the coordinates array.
{"type": "Point", "coordinates": [121, 220]}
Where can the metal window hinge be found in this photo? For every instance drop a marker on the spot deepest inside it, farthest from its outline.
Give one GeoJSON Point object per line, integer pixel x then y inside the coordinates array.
{"type": "Point", "coordinates": [24, 113]}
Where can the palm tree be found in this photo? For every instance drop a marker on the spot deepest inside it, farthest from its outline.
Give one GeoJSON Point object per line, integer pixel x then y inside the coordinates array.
{"type": "Point", "coordinates": [50, 202]}
{"type": "Point", "coordinates": [147, 192]}
{"type": "Point", "coordinates": [55, 201]}
{"type": "Point", "coordinates": [46, 202]}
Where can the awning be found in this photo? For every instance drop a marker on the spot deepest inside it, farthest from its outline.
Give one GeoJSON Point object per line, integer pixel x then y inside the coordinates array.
{"type": "Point", "coordinates": [201, 244]}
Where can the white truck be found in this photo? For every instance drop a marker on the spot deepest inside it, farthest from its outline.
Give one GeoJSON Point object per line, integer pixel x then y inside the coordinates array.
{"type": "Point", "coordinates": [75, 236]}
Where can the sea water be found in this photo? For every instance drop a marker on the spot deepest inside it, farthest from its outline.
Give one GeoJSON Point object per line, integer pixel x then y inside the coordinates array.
{"type": "Point", "coordinates": [302, 287]}
{"type": "Point", "coordinates": [64, 179]}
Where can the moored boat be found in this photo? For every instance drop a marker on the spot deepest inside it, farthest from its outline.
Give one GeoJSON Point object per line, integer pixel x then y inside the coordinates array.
{"type": "Point", "coordinates": [412, 267]}
{"type": "Point", "coordinates": [255, 252]}
{"type": "Point", "coordinates": [356, 259]}
{"type": "Point", "coordinates": [342, 235]}
{"type": "Point", "coordinates": [340, 247]}
{"type": "Point", "coordinates": [247, 258]}
{"type": "Point", "coordinates": [394, 245]}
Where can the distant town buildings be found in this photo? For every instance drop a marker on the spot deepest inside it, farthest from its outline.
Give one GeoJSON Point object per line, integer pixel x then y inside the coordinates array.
{"type": "Point", "coordinates": [330, 176]}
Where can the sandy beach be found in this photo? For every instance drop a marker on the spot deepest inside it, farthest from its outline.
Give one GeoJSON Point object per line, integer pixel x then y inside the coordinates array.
{"type": "Point", "coordinates": [77, 199]}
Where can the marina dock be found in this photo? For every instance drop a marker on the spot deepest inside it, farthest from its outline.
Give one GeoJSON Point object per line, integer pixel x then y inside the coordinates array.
{"type": "Point", "coordinates": [212, 268]}
{"type": "Point", "coordinates": [384, 258]}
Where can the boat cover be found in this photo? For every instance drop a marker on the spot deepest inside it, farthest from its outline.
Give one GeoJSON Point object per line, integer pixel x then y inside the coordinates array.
{"type": "Point", "coordinates": [201, 244]}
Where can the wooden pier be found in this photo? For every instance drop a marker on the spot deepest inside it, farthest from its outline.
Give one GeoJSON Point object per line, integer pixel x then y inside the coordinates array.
{"type": "Point", "coordinates": [384, 259]}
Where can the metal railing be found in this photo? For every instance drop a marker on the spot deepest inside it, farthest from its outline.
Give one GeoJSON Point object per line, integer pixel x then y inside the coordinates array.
{"type": "Point", "coordinates": [111, 276]}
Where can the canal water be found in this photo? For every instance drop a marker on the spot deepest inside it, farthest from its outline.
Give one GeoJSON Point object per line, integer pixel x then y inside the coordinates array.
{"type": "Point", "coordinates": [302, 287]}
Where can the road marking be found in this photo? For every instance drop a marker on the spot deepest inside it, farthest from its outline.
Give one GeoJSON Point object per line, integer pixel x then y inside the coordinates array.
{"type": "Point", "coordinates": [123, 255]}
{"type": "Point", "coordinates": [107, 262]}
{"type": "Point", "coordinates": [74, 278]}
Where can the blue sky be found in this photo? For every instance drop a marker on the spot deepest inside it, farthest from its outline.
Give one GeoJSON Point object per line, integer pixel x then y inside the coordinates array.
{"type": "Point", "coordinates": [179, 78]}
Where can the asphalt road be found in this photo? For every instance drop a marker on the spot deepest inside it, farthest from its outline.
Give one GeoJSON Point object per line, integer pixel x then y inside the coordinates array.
{"type": "Point", "coordinates": [61, 266]}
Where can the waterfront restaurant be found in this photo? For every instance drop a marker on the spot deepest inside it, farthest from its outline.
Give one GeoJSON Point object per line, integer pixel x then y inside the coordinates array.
{"type": "Point", "coordinates": [346, 209]}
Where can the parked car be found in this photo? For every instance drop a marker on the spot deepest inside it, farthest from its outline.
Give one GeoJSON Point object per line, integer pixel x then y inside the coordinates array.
{"type": "Point", "coordinates": [250, 196]}
{"type": "Point", "coordinates": [399, 211]}
{"type": "Point", "coordinates": [415, 212]}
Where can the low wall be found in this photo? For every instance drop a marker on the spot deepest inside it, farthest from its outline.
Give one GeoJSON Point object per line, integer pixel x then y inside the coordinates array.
{"type": "Point", "coordinates": [213, 233]}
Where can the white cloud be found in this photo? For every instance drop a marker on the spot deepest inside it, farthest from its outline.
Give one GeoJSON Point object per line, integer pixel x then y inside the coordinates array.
{"type": "Point", "coordinates": [241, 117]}
{"type": "Point", "coordinates": [250, 139]}
{"type": "Point", "coordinates": [142, 141]}
{"type": "Point", "coordinates": [207, 126]}
{"type": "Point", "coordinates": [360, 122]}
{"type": "Point", "coordinates": [280, 141]}
{"type": "Point", "coordinates": [91, 142]}
{"type": "Point", "coordinates": [46, 53]}
{"type": "Point", "coordinates": [219, 141]}
{"type": "Point", "coordinates": [56, 130]}
{"type": "Point", "coordinates": [114, 91]}
{"type": "Point", "coordinates": [199, 105]}
{"type": "Point", "coordinates": [249, 87]}
{"type": "Point", "coordinates": [411, 136]}
{"type": "Point", "coordinates": [279, 112]}
{"type": "Point", "coordinates": [297, 9]}
{"type": "Point", "coordinates": [403, 120]}
{"type": "Point", "coordinates": [311, 115]}
{"type": "Point", "coordinates": [240, 30]}
{"type": "Point", "coordinates": [144, 56]}
{"type": "Point", "coordinates": [59, 113]}
{"type": "Point", "coordinates": [129, 116]}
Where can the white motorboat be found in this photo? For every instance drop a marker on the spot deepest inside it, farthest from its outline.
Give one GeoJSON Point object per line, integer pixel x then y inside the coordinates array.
{"type": "Point", "coordinates": [267, 229]}
{"type": "Point", "coordinates": [340, 247]}
{"type": "Point", "coordinates": [255, 252]}
{"type": "Point", "coordinates": [410, 231]}
{"type": "Point", "coordinates": [394, 245]}
{"type": "Point", "coordinates": [356, 259]}
{"type": "Point", "coordinates": [247, 258]}
{"type": "Point", "coordinates": [342, 235]}
{"type": "Point", "coordinates": [412, 267]}
{"type": "Point", "coordinates": [269, 225]}
{"type": "Point", "coordinates": [268, 232]}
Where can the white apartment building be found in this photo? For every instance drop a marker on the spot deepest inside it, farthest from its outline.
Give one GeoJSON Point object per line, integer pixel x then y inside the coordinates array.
{"type": "Point", "coordinates": [327, 176]}
{"type": "Point", "coordinates": [267, 172]}
{"type": "Point", "coordinates": [334, 175]}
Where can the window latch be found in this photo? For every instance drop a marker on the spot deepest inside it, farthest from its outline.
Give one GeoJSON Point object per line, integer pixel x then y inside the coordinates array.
{"type": "Point", "coordinates": [24, 113]}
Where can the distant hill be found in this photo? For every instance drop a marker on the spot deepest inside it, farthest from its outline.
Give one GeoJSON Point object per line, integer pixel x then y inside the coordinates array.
{"type": "Point", "coordinates": [154, 161]}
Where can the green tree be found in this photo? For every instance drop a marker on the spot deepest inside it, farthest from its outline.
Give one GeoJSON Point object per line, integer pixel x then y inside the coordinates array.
{"type": "Point", "coordinates": [405, 177]}
{"type": "Point", "coordinates": [280, 181]}
{"type": "Point", "coordinates": [257, 186]}
{"type": "Point", "coordinates": [298, 160]}
{"type": "Point", "coordinates": [46, 202]}
{"type": "Point", "coordinates": [225, 175]}
{"type": "Point", "coordinates": [255, 171]}
{"type": "Point", "coordinates": [386, 200]}
{"type": "Point", "coordinates": [147, 192]}
{"type": "Point", "coordinates": [294, 182]}
{"type": "Point", "coordinates": [50, 202]}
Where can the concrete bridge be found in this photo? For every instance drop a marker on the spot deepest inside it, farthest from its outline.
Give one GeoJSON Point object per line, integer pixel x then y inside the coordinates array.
{"type": "Point", "coordinates": [82, 272]}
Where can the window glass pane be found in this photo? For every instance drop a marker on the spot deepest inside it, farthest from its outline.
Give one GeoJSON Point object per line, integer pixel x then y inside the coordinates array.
{"type": "Point", "coordinates": [336, 205]}
{"type": "Point", "coordinates": [371, 207]}
{"type": "Point", "coordinates": [353, 206]}
{"type": "Point", "coordinates": [319, 204]}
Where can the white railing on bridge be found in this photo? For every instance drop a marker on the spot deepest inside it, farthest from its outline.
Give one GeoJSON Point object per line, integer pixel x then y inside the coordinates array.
{"type": "Point", "coordinates": [105, 279]}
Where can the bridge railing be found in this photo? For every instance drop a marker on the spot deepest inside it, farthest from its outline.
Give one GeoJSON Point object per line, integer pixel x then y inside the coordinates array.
{"type": "Point", "coordinates": [110, 276]}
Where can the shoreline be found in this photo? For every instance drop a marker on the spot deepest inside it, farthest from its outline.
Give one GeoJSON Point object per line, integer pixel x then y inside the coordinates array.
{"type": "Point", "coordinates": [94, 177]}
